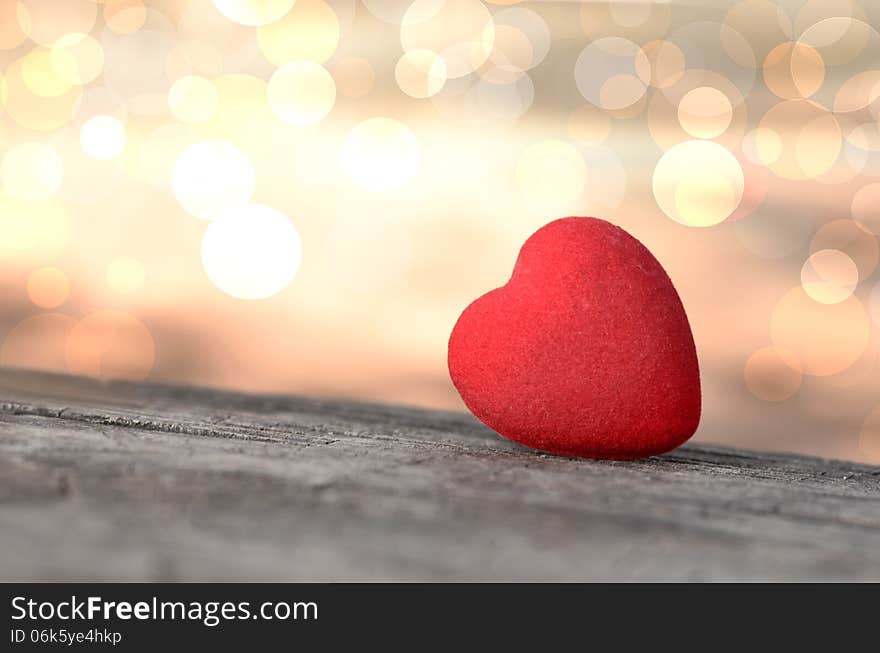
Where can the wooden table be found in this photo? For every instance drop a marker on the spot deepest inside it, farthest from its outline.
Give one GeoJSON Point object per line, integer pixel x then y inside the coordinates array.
{"type": "Point", "coordinates": [122, 481]}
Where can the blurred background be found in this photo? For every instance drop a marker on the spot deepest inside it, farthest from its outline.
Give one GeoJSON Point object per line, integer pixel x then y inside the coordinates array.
{"type": "Point", "coordinates": [301, 196]}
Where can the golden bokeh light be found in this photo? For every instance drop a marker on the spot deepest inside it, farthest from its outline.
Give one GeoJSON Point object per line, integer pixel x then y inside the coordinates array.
{"type": "Point", "coordinates": [110, 344]}
{"type": "Point", "coordinates": [818, 339]}
{"type": "Point", "coordinates": [253, 12]}
{"type": "Point", "coordinates": [768, 377]}
{"type": "Point", "coordinates": [793, 70]}
{"type": "Point", "coordinates": [420, 73]}
{"type": "Point", "coordinates": [698, 183]}
{"type": "Point", "coordinates": [301, 93]}
{"type": "Point", "coordinates": [48, 287]}
{"type": "Point", "coordinates": [211, 177]}
{"type": "Point", "coordinates": [31, 171]}
{"type": "Point", "coordinates": [381, 154]}
{"type": "Point", "coordinates": [251, 252]}
{"type": "Point", "coordinates": [77, 58]}
{"type": "Point", "coordinates": [551, 173]}
{"type": "Point", "coordinates": [309, 31]}
{"type": "Point", "coordinates": [701, 104]}
{"type": "Point", "coordinates": [193, 99]}
{"type": "Point", "coordinates": [36, 98]}
{"type": "Point", "coordinates": [460, 31]}
{"type": "Point", "coordinates": [41, 75]}
{"type": "Point", "coordinates": [103, 137]}
{"type": "Point", "coordinates": [125, 275]}
{"type": "Point", "coordinates": [705, 112]}
{"type": "Point", "coordinates": [829, 276]}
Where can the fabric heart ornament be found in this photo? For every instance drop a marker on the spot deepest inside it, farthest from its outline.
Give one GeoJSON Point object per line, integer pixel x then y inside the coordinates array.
{"type": "Point", "coordinates": [586, 351]}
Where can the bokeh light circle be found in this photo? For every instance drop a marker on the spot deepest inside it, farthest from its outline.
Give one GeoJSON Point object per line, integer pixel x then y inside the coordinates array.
{"type": "Point", "coordinates": [253, 12]}
{"type": "Point", "coordinates": [77, 58]}
{"type": "Point", "coordinates": [829, 276]}
{"type": "Point", "coordinates": [103, 137]}
{"type": "Point", "coordinates": [301, 93]}
{"type": "Point", "coordinates": [705, 112]}
{"type": "Point", "coordinates": [48, 287]}
{"type": "Point", "coordinates": [793, 70]}
{"type": "Point", "coordinates": [251, 252]}
{"type": "Point", "coordinates": [698, 183]}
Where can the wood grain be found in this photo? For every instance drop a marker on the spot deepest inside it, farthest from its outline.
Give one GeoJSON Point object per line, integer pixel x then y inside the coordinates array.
{"type": "Point", "coordinates": [121, 481]}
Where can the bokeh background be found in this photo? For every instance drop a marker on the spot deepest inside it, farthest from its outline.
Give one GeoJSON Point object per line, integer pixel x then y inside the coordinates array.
{"type": "Point", "coordinates": [301, 196]}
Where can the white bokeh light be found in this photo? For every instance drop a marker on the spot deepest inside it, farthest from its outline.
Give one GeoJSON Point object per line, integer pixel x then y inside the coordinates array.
{"type": "Point", "coordinates": [102, 137]}
{"type": "Point", "coordinates": [211, 177]}
{"type": "Point", "coordinates": [253, 12]}
{"type": "Point", "coordinates": [301, 93]}
{"type": "Point", "coordinates": [251, 252]}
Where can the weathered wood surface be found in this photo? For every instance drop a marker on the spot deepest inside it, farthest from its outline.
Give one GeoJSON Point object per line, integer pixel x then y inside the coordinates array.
{"type": "Point", "coordinates": [121, 481]}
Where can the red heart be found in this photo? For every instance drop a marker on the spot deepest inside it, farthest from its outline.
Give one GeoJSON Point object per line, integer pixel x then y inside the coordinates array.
{"type": "Point", "coordinates": [586, 351]}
